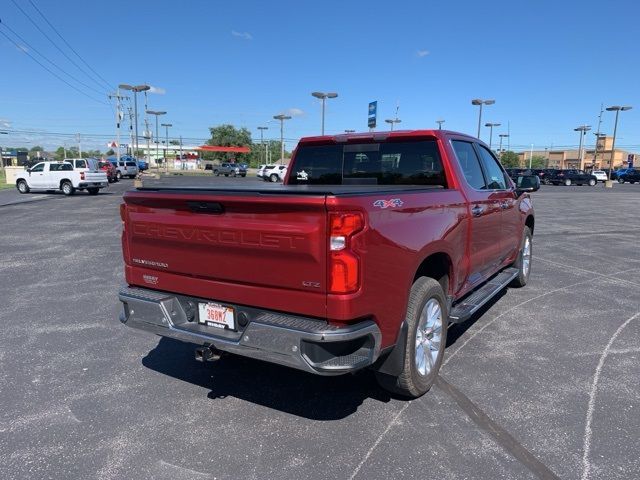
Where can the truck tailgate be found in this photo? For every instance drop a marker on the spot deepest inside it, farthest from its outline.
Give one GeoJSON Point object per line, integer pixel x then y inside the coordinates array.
{"type": "Point", "coordinates": [228, 240]}
{"type": "Point", "coordinates": [95, 177]}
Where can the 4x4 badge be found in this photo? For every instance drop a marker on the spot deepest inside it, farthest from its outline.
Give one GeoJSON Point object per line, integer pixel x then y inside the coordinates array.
{"type": "Point", "coordinates": [394, 202]}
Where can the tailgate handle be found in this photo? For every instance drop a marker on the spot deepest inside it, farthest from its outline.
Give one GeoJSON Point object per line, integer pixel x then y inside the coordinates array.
{"type": "Point", "coordinates": [206, 207]}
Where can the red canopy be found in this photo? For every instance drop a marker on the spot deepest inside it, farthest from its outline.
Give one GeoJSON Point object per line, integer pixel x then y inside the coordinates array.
{"type": "Point", "coordinates": [212, 148]}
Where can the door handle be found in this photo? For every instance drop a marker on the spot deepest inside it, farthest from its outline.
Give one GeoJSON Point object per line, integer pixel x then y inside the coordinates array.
{"type": "Point", "coordinates": [477, 211]}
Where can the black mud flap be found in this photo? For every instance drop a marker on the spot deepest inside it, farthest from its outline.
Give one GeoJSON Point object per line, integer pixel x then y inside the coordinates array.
{"type": "Point", "coordinates": [392, 363]}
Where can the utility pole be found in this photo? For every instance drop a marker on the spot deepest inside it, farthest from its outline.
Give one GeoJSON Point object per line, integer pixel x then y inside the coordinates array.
{"type": "Point", "coordinates": [180, 148]}
{"type": "Point", "coordinates": [262, 145]}
{"type": "Point", "coordinates": [79, 145]}
{"type": "Point", "coordinates": [147, 135]}
{"type": "Point", "coordinates": [282, 117]}
{"type": "Point", "coordinates": [119, 116]}
{"type": "Point", "coordinates": [130, 149]}
{"type": "Point", "coordinates": [595, 150]}
{"type": "Point", "coordinates": [166, 150]}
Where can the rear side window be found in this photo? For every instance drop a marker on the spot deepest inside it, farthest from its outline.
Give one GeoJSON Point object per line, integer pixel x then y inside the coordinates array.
{"type": "Point", "coordinates": [393, 163]}
{"type": "Point", "coordinates": [81, 164]}
{"type": "Point", "coordinates": [469, 163]}
{"type": "Point", "coordinates": [131, 164]}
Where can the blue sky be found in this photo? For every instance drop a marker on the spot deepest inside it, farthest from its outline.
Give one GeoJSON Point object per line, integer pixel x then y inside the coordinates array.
{"type": "Point", "coordinates": [548, 64]}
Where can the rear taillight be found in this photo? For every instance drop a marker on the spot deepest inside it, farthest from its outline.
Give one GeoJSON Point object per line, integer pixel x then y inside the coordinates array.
{"type": "Point", "coordinates": [344, 264]}
{"type": "Point", "coordinates": [81, 175]}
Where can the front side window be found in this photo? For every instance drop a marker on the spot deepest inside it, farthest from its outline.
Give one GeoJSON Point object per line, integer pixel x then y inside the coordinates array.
{"type": "Point", "coordinates": [469, 163]}
{"type": "Point", "coordinates": [495, 175]}
{"type": "Point", "coordinates": [38, 168]}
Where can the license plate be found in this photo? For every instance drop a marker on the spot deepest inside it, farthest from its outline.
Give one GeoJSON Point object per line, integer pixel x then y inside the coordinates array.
{"type": "Point", "coordinates": [216, 315]}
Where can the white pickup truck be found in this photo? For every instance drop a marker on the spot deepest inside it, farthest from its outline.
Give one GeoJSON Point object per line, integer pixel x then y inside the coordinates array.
{"type": "Point", "coordinates": [60, 176]}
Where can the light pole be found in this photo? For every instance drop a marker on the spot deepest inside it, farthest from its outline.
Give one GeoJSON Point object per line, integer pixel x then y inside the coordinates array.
{"type": "Point", "coordinates": [491, 125]}
{"type": "Point", "coordinates": [582, 129]}
{"type": "Point", "coordinates": [479, 101]}
{"type": "Point", "coordinates": [617, 109]}
{"type": "Point", "coordinates": [166, 152]}
{"type": "Point", "coordinates": [323, 96]}
{"type": "Point", "coordinates": [439, 122]}
{"type": "Point", "coordinates": [599, 136]}
{"type": "Point", "coordinates": [1, 157]}
{"type": "Point", "coordinates": [157, 114]}
{"type": "Point", "coordinates": [393, 121]}
{"type": "Point", "coordinates": [282, 117]}
{"type": "Point", "coordinates": [262, 129]}
{"type": "Point", "coordinates": [135, 90]}
{"type": "Point", "coordinates": [502, 135]}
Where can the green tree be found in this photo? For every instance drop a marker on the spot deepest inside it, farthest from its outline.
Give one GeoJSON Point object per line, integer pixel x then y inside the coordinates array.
{"type": "Point", "coordinates": [509, 159]}
{"type": "Point", "coordinates": [228, 136]}
{"type": "Point", "coordinates": [110, 152]}
{"type": "Point", "coordinates": [538, 161]}
{"type": "Point", "coordinates": [35, 149]}
{"type": "Point", "coordinates": [59, 153]}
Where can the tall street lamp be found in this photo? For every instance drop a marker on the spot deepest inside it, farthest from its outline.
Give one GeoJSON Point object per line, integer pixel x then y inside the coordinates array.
{"type": "Point", "coordinates": [262, 129]}
{"type": "Point", "coordinates": [439, 122]}
{"type": "Point", "coordinates": [491, 125]}
{"type": "Point", "coordinates": [135, 90]}
{"type": "Point", "coordinates": [282, 117]}
{"type": "Point", "coordinates": [582, 129]}
{"type": "Point", "coordinates": [617, 109]}
{"type": "Point", "coordinates": [479, 101]}
{"type": "Point", "coordinates": [323, 96]}
{"type": "Point", "coordinates": [157, 114]}
{"type": "Point", "coordinates": [393, 121]}
{"type": "Point", "coordinates": [502, 135]}
{"type": "Point", "coordinates": [166, 152]}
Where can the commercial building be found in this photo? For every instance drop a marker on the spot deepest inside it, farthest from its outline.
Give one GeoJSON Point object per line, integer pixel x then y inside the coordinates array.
{"type": "Point", "coordinates": [592, 159]}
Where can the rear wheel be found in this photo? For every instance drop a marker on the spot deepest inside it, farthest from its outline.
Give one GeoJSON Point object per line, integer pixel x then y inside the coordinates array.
{"type": "Point", "coordinates": [620, 180]}
{"type": "Point", "coordinates": [273, 177]}
{"type": "Point", "coordinates": [118, 175]}
{"type": "Point", "coordinates": [567, 182]}
{"type": "Point", "coordinates": [22, 186]}
{"type": "Point", "coordinates": [67, 188]}
{"type": "Point", "coordinates": [427, 320]}
{"type": "Point", "coordinates": [93, 191]}
{"type": "Point", "coordinates": [523, 262]}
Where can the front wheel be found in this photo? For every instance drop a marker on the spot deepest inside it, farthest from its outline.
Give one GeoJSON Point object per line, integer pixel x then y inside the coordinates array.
{"type": "Point", "coordinates": [67, 188]}
{"type": "Point", "coordinates": [592, 182]}
{"type": "Point", "coordinates": [22, 186]}
{"type": "Point", "coordinates": [567, 182]}
{"type": "Point", "coordinates": [523, 262]}
{"type": "Point", "coordinates": [119, 175]}
{"type": "Point", "coordinates": [427, 320]}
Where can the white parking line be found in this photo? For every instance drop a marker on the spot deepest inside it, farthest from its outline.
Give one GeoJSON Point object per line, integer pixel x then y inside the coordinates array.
{"type": "Point", "coordinates": [586, 464]}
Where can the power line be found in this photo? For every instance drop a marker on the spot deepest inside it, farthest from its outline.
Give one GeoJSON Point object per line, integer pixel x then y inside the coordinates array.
{"type": "Point", "coordinates": [67, 44]}
{"type": "Point", "coordinates": [46, 59]}
{"type": "Point", "coordinates": [54, 43]}
{"type": "Point", "coordinates": [52, 72]}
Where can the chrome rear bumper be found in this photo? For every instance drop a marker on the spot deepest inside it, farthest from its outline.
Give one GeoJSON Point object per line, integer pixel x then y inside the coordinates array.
{"type": "Point", "coordinates": [307, 344]}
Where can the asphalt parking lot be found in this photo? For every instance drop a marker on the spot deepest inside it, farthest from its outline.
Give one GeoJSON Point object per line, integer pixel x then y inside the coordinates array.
{"type": "Point", "coordinates": [544, 383]}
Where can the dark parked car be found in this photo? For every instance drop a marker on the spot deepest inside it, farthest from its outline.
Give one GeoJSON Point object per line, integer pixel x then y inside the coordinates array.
{"type": "Point", "coordinates": [630, 175]}
{"type": "Point", "coordinates": [227, 169]}
{"type": "Point", "coordinates": [573, 177]}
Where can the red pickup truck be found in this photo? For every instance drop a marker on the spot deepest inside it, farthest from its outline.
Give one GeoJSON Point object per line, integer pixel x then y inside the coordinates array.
{"type": "Point", "coordinates": [374, 243]}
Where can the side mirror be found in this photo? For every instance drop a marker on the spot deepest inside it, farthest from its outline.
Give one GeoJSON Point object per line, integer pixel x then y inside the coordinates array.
{"type": "Point", "coordinates": [527, 184]}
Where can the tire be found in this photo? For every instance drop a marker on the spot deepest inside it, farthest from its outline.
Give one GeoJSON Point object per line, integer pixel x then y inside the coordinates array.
{"type": "Point", "coordinates": [67, 188]}
{"type": "Point", "coordinates": [273, 178]}
{"type": "Point", "coordinates": [620, 180]}
{"type": "Point", "coordinates": [243, 175]}
{"type": "Point", "coordinates": [427, 303]}
{"type": "Point", "coordinates": [632, 182]}
{"type": "Point", "coordinates": [593, 183]}
{"type": "Point", "coordinates": [118, 175]}
{"type": "Point", "coordinates": [523, 262]}
{"type": "Point", "coordinates": [93, 191]}
{"type": "Point", "coordinates": [216, 173]}
{"type": "Point", "coordinates": [22, 186]}
{"type": "Point", "coordinates": [567, 182]}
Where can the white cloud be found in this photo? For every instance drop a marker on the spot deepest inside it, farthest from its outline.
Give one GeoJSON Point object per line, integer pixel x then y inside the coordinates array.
{"type": "Point", "coordinates": [294, 112]}
{"type": "Point", "coordinates": [422, 53]}
{"type": "Point", "coordinates": [158, 90]}
{"type": "Point", "coordinates": [4, 123]}
{"type": "Point", "coordinates": [243, 35]}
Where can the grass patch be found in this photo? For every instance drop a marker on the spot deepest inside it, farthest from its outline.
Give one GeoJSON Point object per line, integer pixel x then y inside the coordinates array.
{"type": "Point", "coordinates": [3, 181]}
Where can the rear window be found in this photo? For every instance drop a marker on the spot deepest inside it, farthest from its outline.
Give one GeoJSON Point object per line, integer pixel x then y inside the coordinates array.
{"type": "Point", "coordinates": [393, 163]}
{"type": "Point", "coordinates": [131, 164]}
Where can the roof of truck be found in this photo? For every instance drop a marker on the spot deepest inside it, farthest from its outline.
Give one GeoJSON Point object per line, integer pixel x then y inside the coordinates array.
{"type": "Point", "coordinates": [377, 136]}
